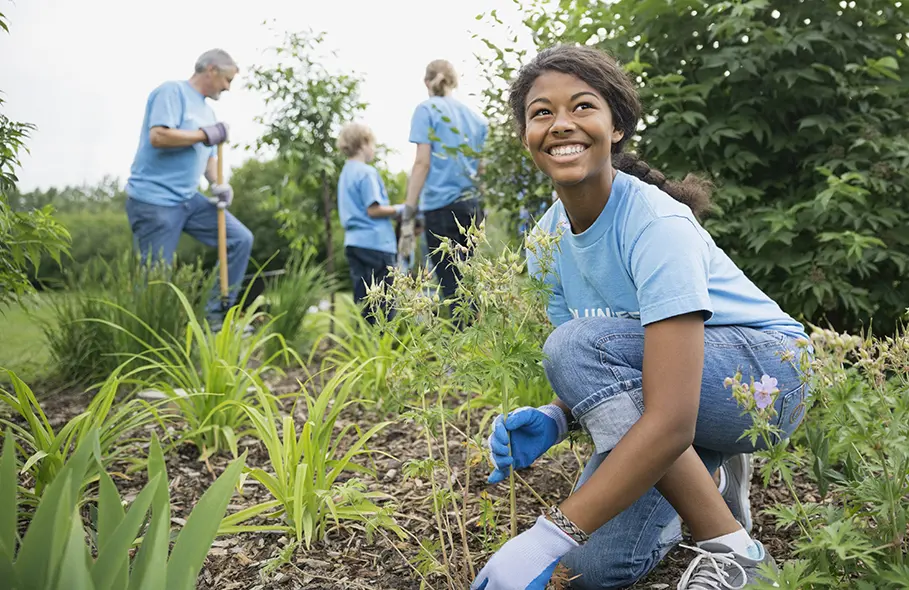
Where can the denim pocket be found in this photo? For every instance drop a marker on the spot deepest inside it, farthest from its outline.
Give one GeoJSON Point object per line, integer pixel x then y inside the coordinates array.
{"type": "Point", "coordinates": [792, 410]}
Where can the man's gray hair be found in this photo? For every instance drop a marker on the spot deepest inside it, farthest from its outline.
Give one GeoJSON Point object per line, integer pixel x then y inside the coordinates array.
{"type": "Point", "coordinates": [215, 57]}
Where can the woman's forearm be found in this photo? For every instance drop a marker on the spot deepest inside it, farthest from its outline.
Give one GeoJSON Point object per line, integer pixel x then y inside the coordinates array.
{"type": "Point", "coordinates": [635, 465]}
{"type": "Point", "coordinates": [417, 180]}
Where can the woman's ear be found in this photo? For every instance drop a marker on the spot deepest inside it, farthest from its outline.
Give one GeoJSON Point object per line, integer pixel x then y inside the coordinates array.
{"type": "Point", "coordinates": [617, 135]}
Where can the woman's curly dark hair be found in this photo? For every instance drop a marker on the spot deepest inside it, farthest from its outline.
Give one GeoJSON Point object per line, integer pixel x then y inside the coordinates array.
{"type": "Point", "coordinates": [604, 74]}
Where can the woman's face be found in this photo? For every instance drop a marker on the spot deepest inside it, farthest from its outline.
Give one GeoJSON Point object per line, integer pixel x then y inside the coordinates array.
{"type": "Point", "coordinates": [569, 129]}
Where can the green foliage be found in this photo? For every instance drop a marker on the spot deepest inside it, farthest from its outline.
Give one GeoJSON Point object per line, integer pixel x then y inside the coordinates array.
{"type": "Point", "coordinates": [355, 341]}
{"type": "Point", "coordinates": [490, 352]}
{"type": "Point", "coordinates": [290, 296]}
{"type": "Point", "coordinates": [45, 451]}
{"type": "Point", "coordinates": [853, 446]}
{"type": "Point", "coordinates": [307, 484]}
{"type": "Point", "coordinates": [795, 110]}
{"type": "Point", "coordinates": [25, 238]}
{"type": "Point", "coordinates": [53, 553]}
{"type": "Point", "coordinates": [112, 308]}
{"type": "Point", "coordinates": [208, 376]}
{"type": "Point", "coordinates": [309, 104]}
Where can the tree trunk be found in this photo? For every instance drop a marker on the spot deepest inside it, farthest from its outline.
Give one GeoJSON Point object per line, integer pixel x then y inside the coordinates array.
{"type": "Point", "coordinates": [329, 243]}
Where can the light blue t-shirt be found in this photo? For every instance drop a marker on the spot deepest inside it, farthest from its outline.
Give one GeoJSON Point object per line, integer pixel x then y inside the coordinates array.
{"type": "Point", "coordinates": [646, 257]}
{"type": "Point", "coordinates": [447, 125]}
{"type": "Point", "coordinates": [170, 176]}
{"type": "Point", "coordinates": [359, 187]}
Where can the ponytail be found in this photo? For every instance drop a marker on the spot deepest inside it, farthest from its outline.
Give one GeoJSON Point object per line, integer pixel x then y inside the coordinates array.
{"type": "Point", "coordinates": [440, 77]}
{"type": "Point", "coordinates": [692, 191]}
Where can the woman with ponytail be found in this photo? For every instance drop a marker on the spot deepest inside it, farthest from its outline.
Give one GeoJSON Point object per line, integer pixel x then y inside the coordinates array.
{"type": "Point", "coordinates": [651, 317]}
{"type": "Point", "coordinates": [443, 184]}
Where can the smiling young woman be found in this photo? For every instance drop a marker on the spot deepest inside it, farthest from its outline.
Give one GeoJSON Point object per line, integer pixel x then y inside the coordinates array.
{"type": "Point", "coordinates": [651, 316]}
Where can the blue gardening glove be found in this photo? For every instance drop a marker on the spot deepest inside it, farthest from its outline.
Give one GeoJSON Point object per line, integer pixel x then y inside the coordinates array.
{"type": "Point", "coordinates": [530, 431]}
{"type": "Point", "coordinates": [223, 195]}
{"type": "Point", "coordinates": [527, 561]}
{"type": "Point", "coordinates": [215, 134]}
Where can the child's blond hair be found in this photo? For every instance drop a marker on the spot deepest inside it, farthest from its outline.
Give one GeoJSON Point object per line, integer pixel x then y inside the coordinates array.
{"type": "Point", "coordinates": [353, 137]}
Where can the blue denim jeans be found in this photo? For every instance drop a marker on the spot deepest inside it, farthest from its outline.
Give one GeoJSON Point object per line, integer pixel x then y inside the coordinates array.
{"type": "Point", "coordinates": [368, 266]}
{"type": "Point", "coordinates": [156, 232]}
{"type": "Point", "coordinates": [594, 366]}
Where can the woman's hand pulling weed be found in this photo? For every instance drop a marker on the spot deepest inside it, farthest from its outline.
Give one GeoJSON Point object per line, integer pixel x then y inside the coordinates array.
{"type": "Point", "coordinates": [532, 431]}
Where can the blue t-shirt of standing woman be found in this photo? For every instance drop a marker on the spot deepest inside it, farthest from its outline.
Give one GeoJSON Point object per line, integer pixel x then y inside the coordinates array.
{"type": "Point", "coordinates": [457, 135]}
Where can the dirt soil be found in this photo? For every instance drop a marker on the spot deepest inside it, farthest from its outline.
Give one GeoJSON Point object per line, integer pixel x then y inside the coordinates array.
{"type": "Point", "coordinates": [345, 560]}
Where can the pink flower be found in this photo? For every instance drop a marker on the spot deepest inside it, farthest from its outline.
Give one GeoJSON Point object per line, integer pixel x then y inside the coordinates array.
{"type": "Point", "coordinates": [764, 391]}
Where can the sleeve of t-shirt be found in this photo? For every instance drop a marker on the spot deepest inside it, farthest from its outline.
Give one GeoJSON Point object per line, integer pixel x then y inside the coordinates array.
{"type": "Point", "coordinates": [669, 264]}
{"type": "Point", "coordinates": [371, 189]}
{"type": "Point", "coordinates": [420, 125]}
{"type": "Point", "coordinates": [166, 109]}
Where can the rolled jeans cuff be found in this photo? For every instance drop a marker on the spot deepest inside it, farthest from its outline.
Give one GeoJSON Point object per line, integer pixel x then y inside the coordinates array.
{"type": "Point", "coordinates": [558, 415]}
{"type": "Point", "coordinates": [610, 413]}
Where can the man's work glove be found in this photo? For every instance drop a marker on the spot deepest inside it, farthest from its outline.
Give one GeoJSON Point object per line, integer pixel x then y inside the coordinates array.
{"type": "Point", "coordinates": [528, 561]}
{"type": "Point", "coordinates": [529, 432]}
{"type": "Point", "coordinates": [223, 195]}
{"type": "Point", "coordinates": [215, 134]}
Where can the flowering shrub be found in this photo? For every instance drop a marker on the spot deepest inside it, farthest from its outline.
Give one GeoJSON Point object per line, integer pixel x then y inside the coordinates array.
{"type": "Point", "coordinates": [854, 448]}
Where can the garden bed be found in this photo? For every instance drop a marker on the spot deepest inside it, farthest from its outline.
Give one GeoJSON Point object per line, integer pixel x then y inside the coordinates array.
{"type": "Point", "coordinates": [346, 560]}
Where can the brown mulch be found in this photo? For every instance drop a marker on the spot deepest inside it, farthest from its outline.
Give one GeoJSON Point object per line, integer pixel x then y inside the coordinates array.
{"type": "Point", "coordinates": [345, 560]}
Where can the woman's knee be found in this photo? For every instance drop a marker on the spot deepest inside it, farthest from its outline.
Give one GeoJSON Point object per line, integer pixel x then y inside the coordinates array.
{"type": "Point", "coordinates": [587, 353]}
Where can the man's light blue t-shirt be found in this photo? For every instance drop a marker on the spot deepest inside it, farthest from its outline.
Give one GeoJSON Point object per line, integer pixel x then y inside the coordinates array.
{"type": "Point", "coordinates": [451, 128]}
{"type": "Point", "coordinates": [646, 257]}
{"type": "Point", "coordinates": [170, 176]}
{"type": "Point", "coordinates": [359, 187]}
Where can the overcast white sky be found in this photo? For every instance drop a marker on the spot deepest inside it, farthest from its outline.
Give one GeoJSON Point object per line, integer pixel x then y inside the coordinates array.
{"type": "Point", "coordinates": [81, 70]}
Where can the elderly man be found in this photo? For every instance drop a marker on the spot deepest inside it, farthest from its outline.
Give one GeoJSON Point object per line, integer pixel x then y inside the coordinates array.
{"type": "Point", "coordinates": [177, 144]}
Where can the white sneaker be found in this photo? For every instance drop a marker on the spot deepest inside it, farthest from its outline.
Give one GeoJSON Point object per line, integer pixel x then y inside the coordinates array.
{"type": "Point", "coordinates": [737, 471]}
{"type": "Point", "coordinates": [717, 567]}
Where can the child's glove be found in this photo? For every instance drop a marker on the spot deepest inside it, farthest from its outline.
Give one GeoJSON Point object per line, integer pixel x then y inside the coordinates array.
{"type": "Point", "coordinates": [530, 432]}
{"type": "Point", "coordinates": [527, 561]}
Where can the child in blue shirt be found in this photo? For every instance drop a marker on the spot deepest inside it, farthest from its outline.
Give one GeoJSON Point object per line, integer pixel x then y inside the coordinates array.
{"type": "Point", "coordinates": [369, 237]}
{"type": "Point", "coordinates": [651, 316]}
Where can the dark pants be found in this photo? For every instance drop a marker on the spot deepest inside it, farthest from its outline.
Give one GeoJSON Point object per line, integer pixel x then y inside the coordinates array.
{"type": "Point", "coordinates": [366, 267]}
{"type": "Point", "coordinates": [440, 223]}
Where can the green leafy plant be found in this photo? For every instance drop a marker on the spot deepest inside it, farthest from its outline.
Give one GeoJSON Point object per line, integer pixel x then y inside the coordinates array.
{"type": "Point", "coordinates": [208, 376]}
{"type": "Point", "coordinates": [304, 285]}
{"type": "Point", "coordinates": [852, 445]}
{"type": "Point", "coordinates": [308, 465]}
{"type": "Point", "coordinates": [45, 451]}
{"type": "Point", "coordinates": [491, 350]}
{"type": "Point", "coordinates": [112, 307]}
{"type": "Point", "coordinates": [25, 237]}
{"type": "Point", "coordinates": [53, 553]}
{"type": "Point", "coordinates": [355, 341]}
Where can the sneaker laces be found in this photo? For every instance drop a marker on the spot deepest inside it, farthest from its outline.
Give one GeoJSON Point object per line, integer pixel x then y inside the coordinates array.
{"type": "Point", "coordinates": [707, 571]}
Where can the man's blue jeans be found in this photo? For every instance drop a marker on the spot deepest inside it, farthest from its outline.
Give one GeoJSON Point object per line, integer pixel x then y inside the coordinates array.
{"type": "Point", "coordinates": [156, 232]}
{"type": "Point", "coordinates": [595, 367]}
